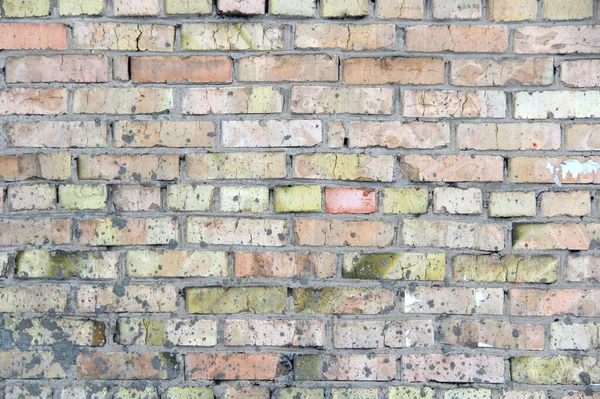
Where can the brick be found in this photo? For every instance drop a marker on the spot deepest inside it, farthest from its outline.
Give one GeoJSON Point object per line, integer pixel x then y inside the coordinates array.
{"type": "Point", "coordinates": [182, 134]}
{"type": "Point", "coordinates": [468, 393]}
{"type": "Point", "coordinates": [26, 8]}
{"type": "Point", "coordinates": [354, 393]}
{"type": "Point", "coordinates": [136, 392]}
{"type": "Point", "coordinates": [456, 9]}
{"type": "Point", "coordinates": [341, 100]}
{"type": "Point", "coordinates": [66, 265]}
{"type": "Point", "coordinates": [392, 134]}
{"type": "Point", "coordinates": [454, 300]}
{"type": "Point", "coordinates": [343, 9]}
{"type": "Point", "coordinates": [304, 393]}
{"type": "Point", "coordinates": [288, 68]}
{"type": "Point", "coordinates": [31, 197]}
{"type": "Point", "coordinates": [40, 298]}
{"type": "Point", "coordinates": [574, 336]}
{"type": "Point", "coordinates": [565, 203]}
{"type": "Point", "coordinates": [582, 137]}
{"type": "Point", "coordinates": [57, 68]}
{"type": "Point", "coordinates": [410, 392]}
{"type": "Point", "coordinates": [514, 394]}
{"type": "Point", "coordinates": [215, 300]}
{"type": "Point", "coordinates": [190, 197]}
{"type": "Point", "coordinates": [82, 196]}
{"type": "Point", "coordinates": [284, 264]}
{"type": "Point", "coordinates": [300, 333]}
{"type": "Point", "coordinates": [507, 10]}
{"type": "Point", "coordinates": [125, 8]}
{"type": "Point", "coordinates": [232, 100]}
{"type": "Point", "coordinates": [251, 7]}
{"type": "Point", "coordinates": [405, 200]}
{"type": "Point", "coordinates": [3, 264]}
{"type": "Point", "coordinates": [244, 199]}
{"type": "Point", "coordinates": [21, 101]}
{"type": "Point", "coordinates": [28, 392]}
{"type": "Point", "coordinates": [552, 370]}
{"type": "Point", "coordinates": [557, 40]}
{"type": "Point", "coordinates": [393, 70]}
{"type": "Point", "coordinates": [246, 392]}
{"type": "Point", "coordinates": [71, 8]}
{"type": "Point", "coordinates": [583, 268]}
{"type": "Point", "coordinates": [558, 10]}
{"type": "Point", "coordinates": [344, 36]}
{"type": "Point", "coordinates": [453, 104]}
{"type": "Point", "coordinates": [234, 366]}
{"type": "Point", "coordinates": [189, 393]}
{"type": "Point", "coordinates": [344, 367]}
{"type": "Point", "coordinates": [508, 136]}
{"type": "Point", "coordinates": [236, 231]}
{"type": "Point", "coordinates": [394, 266]}
{"type": "Point", "coordinates": [49, 331]}
{"type": "Point", "coordinates": [556, 104]}
{"type": "Point", "coordinates": [508, 204]}
{"type": "Point", "coordinates": [142, 263]}
{"type": "Point", "coordinates": [130, 198]}
{"type": "Point", "coordinates": [343, 300]}
{"type": "Point", "coordinates": [300, 8]}
{"type": "Point", "coordinates": [335, 232]}
{"type": "Point", "coordinates": [128, 167]}
{"type": "Point", "coordinates": [357, 334]}
{"type": "Point", "coordinates": [117, 366]}
{"type": "Point", "coordinates": [231, 37]}
{"type": "Point", "coordinates": [255, 165]}
{"type": "Point", "coordinates": [457, 38]}
{"type": "Point", "coordinates": [507, 268]}
{"type": "Point", "coordinates": [56, 134]}
{"type": "Point", "coordinates": [408, 333]}
{"type": "Point", "coordinates": [188, 7]}
{"type": "Point", "coordinates": [271, 133]}
{"type": "Point", "coordinates": [194, 69]}
{"type": "Point", "coordinates": [580, 73]}
{"type": "Point", "coordinates": [452, 200]}
{"type": "Point", "coordinates": [121, 68]}
{"type": "Point", "coordinates": [118, 100]}
{"type": "Point", "coordinates": [350, 200]}
{"type": "Point", "coordinates": [35, 231]}
{"type": "Point", "coordinates": [84, 392]}
{"type": "Point", "coordinates": [127, 298]}
{"type": "Point", "coordinates": [336, 135]}
{"type": "Point", "coordinates": [122, 36]}
{"type": "Point", "coordinates": [161, 332]}
{"type": "Point", "coordinates": [31, 36]}
{"type": "Point", "coordinates": [572, 236]}
{"type": "Point", "coordinates": [492, 334]}
{"type": "Point", "coordinates": [534, 302]}
{"type": "Point", "coordinates": [452, 168]}
{"type": "Point", "coordinates": [30, 365]}
{"type": "Point", "coordinates": [391, 9]}
{"type": "Point", "coordinates": [453, 368]}
{"type": "Point", "coordinates": [337, 166]}
{"type": "Point", "coordinates": [523, 71]}
{"type": "Point", "coordinates": [117, 230]}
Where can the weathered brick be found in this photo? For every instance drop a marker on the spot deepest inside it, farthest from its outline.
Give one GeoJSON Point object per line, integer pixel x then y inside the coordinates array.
{"type": "Point", "coordinates": [574, 336]}
{"type": "Point", "coordinates": [357, 334]}
{"type": "Point", "coordinates": [336, 166]}
{"type": "Point", "coordinates": [190, 197]}
{"type": "Point", "coordinates": [251, 7]}
{"type": "Point", "coordinates": [452, 200]}
{"type": "Point", "coordinates": [391, 9]}
{"type": "Point", "coordinates": [574, 236]}
{"type": "Point", "coordinates": [524, 71]}
{"type": "Point", "coordinates": [71, 8]}
{"type": "Point", "coordinates": [26, 8]}
{"type": "Point", "coordinates": [236, 231]}
{"type": "Point", "coordinates": [468, 393]}
{"type": "Point", "coordinates": [40, 298]}
{"type": "Point", "coordinates": [124, 8]}
{"type": "Point", "coordinates": [392, 134]}
{"type": "Point", "coordinates": [35, 231]}
{"type": "Point", "coordinates": [354, 393]}
{"type": "Point", "coordinates": [565, 203]}
{"type": "Point", "coordinates": [336, 232]}
{"type": "Point", "coordinates": [244, 199]}
{"type": "Point", "coordinates": [232, 100]}
{"type": "Point", "coordinates": [30, 365]}
{"type": "Point", "coordinates": [48, 331]}
{"type": "Point", "coordinates": [82, 196]}
{"type": "Point", "coordinates": [508, 268]}
{"type": "Point", "coordinates": [456, 9]}
{"type": "Point", "coordinates": [59, 134]}
{"type": "Point", "coordinates": [128, 231]}
{"type": "Point", "coordinates": [454, 104]}
{"type": "Point", "coordinates": [393, 70]}
{"type": "Point", "coordinates": [194, 69]}
{"type": "Point", "coordinates": [54, 166]}
{"type": "Point", "coordinates": [231, 36]}
{"type": "Point", "coordinates": [344, 9]}
{"type": "Point", "coordinates": [514, 394]}
{"type": "Point", "coordinates": [557, 40]}
{"type": "Point", "coordinates": [457, 38]}
{"type": "Point", "coordinates": [559, 10]}
{"type": "Point", "coordinates": [140, 391]}
{"type": "Point", "coordinates": [118, 366]}
{"type": "Point", "coordinates": [284, 264]}
{"type": "Point", "coordinates": [120, 100]}
{"type": "Point", "coordinates": [298, 198]}
{"type": "Point", "coordinates": [161, 332]}
{"type": "Point", "coordinates": [66, 265]}
{"type": "Point", "coordinates": [508, 204]}
{"type": "Point", "coordinates": [246, 392]}
{"type": "Point", "coordinates": [28, 392]}
{"type": "Point", "coordinates": [274, 332]}
{"type": "Point", "coordinates": [350, 200]}
{"type": "Point", "coordinates": [57, 68]}
{"type": "Point", "coordinates": [142, 263]}
{"type": "Point", "coordinates": [22, 101]}
{"type": "Point", "coordinates": [190, 393]}
{"type": "Point", "coordinates": [452, 168]}
{"type": "Point", "coordinates": [453, 368]}
{"type": "Point", "coordinates": [163, 134]}
{"type": "Point", "coordinates": [394, 266]}
{"type": "Point", "coordinates": [127, 298]}
{"type": "Point", "coordinates": [344, 36]}
{"type": "Point", "coordinates": [344, 367]}
{"type": "Point", "coordinates": [556, 104]}
{"type": "Point", "coordinates": [288, 68]}
{"type": "Point", "coordinates": [300, 8]}
{"type": "Point", "coordinates": [582, 137]}
{"type": "Point", "coordinates": [508, 10]}
{"type": "Point", "coordinates": [583, 268]}
{"type": "Point", "coordinates": [304, 393]}
{"type": "Point", "coordinates": [410, 392]}
{"type": "Point", "coordinates": [130, 198]}
{"type": "Point", "coordinates": [234, 366]}
{"type": "Point", "coordinates": [235, 299]}
{"type": "Point", "coordinates": [405, 200]}
{"type": "Point", "coordinates": [580, 73]}
{"type": "Point", "coordinates": [552, 370]}
{"type": "Point", "coordinates": [123, 36]}
{"type": "Point", "coordinates": [492, 334]}
{"type": "Point", "coordinates": [343, 300]}
{"type": "Point", "coordinates": [341, 100]}
{"type": "Point", "coordinates": [255, 165]}
{"type": "Point", "coordinates": [454, 300]}
{"type": "Point", "coordinates": [535, 302]}
{"type": "Point", "coordinates": [271, 133]}
{"type": "Point", "coordinates": [128, 167]}
{"type": "Point", "coordinates": [31, 197]}
{"type": "Point", "coordinates": [32, 36]}
{"type": "Point", "coordinates": [508, 136]}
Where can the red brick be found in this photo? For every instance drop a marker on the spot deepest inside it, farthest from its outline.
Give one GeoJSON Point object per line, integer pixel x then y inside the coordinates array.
{"type": "Point", "coordinates": [126, 366]}
{"type": "Point", "coordinates": [453, 368]}
{"type": "Point", "coordinates": [234, 366]}
{"type": "Point", "coordinates": [534, 302]}
{"type": "Point", "coordinates": [350, 200]}
{"type": "Point", "coordinates": [194, 69]}
{"type": "Point", "coordinates": [35, 231]}
{"type": "Point", "coordinates": [25, 36]}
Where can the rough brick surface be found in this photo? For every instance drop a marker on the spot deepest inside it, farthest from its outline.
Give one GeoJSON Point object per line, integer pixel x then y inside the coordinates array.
{"type": "Point", "coordinates": [299, 199]}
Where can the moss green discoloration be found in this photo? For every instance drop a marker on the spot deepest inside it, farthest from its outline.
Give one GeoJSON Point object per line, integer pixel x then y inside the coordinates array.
{"type": "Point", "coordinates": [308, 367]}
{"type": "Point", "coordinates": [405, 201]}
{"type": "Point", "coordinates": [189, 393]}
{"type": "Point", "coordinates": [510, 269]}
{"type": "Point", "coordinates": [568, 370]}
{"type": "Point", "coordinates": [49, 331]}
{"type": "Point", "coordinates": [394, 266]}
{"type": "Point", "coordinates": [339, 300]}
{"type": "Point", "coordinates": [63, 265]}
{"type": "Point", "coordinates": [298, 198]}
{"type": "Point", "coordinates": [410, 393]}
{"type": "Point", "coordinates": [301, 393]}
{"type": "Point", "coordinates": [236, 299]}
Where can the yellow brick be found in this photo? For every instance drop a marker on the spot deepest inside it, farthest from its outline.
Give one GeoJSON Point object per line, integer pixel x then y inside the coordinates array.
{"type": "Point", "coordinates": [298, 198]}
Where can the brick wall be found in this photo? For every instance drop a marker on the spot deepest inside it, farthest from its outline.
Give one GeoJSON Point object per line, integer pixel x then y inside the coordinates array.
{"type": "Point", "coordinates": [299, 200]}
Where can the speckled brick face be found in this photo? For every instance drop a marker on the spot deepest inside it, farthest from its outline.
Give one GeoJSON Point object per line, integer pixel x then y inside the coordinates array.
{"type": "Point", "coordinates": [299, 199]}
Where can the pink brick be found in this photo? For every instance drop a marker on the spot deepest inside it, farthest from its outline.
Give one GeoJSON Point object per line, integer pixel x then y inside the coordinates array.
{"type": "Point", "coordinates": [453, 368]}
{"type": "Point", "coordinates": [274, 332]}
{"type": "Point", "coordinates": [284, 264]}
{"type": "Point", "coordinates": [350, 200]}
{"type": "Point", "coordinates": [57, 68]}
{"type": "Point", "coordinates": [583, 268]}
{"type": "Point", "coordinates": [534, 302]}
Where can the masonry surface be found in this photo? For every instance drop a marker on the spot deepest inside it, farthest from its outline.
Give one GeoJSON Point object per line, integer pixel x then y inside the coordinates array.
{"type": "Point", "coordinates": [299, 199]}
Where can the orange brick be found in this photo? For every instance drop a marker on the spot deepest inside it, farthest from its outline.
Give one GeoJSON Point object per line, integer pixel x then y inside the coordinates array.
{"type": "Point", "coordinates": [25, 36]}
{"type": "Point", "coordinates": [234, 366]}
{"type": "Point", "coordinates": [350, 200]}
